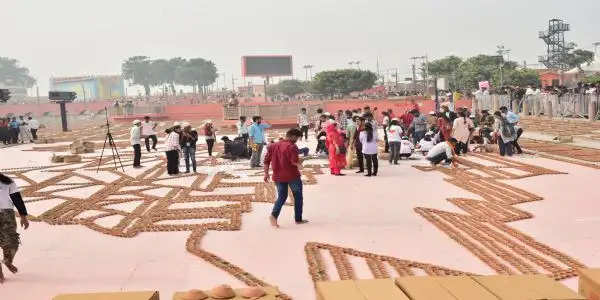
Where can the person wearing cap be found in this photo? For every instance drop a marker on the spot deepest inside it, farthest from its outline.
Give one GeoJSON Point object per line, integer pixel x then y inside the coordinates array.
{"type": "Point", "coordinates": [173, 149]}
{"type": "Point", "coordinates": [134, 139]}
{"type": "Point", "coordinates": [189, 137]}
{"type": "Point", "coordinates": [513, 119]}
{"type": "Point", "coordinates": [149, 133]}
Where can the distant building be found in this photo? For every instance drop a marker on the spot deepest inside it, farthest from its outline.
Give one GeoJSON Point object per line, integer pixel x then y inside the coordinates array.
{"type": "Point", "coordinates": [90, 88]}
{"type": "Point", "coordinates": [254, 90]}
{"type": "Point", "coordinates": [549, 78]}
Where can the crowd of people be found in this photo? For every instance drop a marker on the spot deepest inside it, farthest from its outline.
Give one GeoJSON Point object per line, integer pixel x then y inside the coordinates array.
{"type": "Point", "coordinates": [350, 139]}
{"type": "Point", "coordinates": [18, 130]}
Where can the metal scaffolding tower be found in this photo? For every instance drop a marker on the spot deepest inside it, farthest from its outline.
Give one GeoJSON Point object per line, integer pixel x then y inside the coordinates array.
{"type": "Point", "coordinates": [557, 49]}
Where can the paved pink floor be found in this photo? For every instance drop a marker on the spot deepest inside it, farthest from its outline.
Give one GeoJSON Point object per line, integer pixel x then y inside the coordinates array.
{"type": "Point", "coordinates": [368, 214]}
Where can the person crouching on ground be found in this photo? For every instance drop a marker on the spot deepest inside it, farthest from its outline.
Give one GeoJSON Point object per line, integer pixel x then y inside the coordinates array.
{"type": "Point", "coordinates": [443, 151]}
{"type": "Point", "coordinates": [337, 149]}
{"type": "Point", "coordinates": [9, 238]}
{"type": "Point", "coordinates": [134, 139]}
{"type": "Point", "coordinates": [406, 148]}
{"type": "Point", "coordinates": [368, 140]}
{"type": "Point", "coordinates": [283, 157]}
{"type": "Point", "coordinates": [189, 137]}
{"type": "Point", "coordinates": [173, 149]}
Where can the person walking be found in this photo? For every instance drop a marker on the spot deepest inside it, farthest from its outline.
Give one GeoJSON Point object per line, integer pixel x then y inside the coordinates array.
{"type": "Point", "coordinates": [10, 197]}
{"type": "Point", "coordinates": [505, 134]}
{"type": "Point", "coordinates": [368, 139]}
{"type": "Point", "coordinates": [337, 149]}
{"type": "Point", "coordinates": [34, 125]}
{"type": "Point", "coordinates": [283, 158]}
{"type": "Point", "coordinates": [256, 133]}
{"type": "Point", "coordinates": [210, 135]}
{"type": "Point", "coordinates": [173, 149]}
{"type": "Point", "coordinates": [395, 139]}
{"type": "Point", "coordinates": [303, 123]}
{"type": "Point", "coordinates": [189, 137]}
{"type": "Point", "coordinates": [134, 139]}
{"type": "Point", "coordinates": [461, 131]}
{"type": "Point", "coordinates": [149, 133]}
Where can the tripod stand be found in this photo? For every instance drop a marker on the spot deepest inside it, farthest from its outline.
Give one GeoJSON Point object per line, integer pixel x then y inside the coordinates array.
{"type": "Point", "coordinates": [113, 147]}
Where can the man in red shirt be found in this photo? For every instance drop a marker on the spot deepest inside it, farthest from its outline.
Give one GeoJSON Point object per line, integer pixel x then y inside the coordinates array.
{"type": "Point", "coordinates": [283, 157]}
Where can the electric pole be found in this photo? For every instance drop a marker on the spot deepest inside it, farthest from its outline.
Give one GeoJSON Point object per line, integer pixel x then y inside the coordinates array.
{"type": "Point", "coordinates": [414, 70]}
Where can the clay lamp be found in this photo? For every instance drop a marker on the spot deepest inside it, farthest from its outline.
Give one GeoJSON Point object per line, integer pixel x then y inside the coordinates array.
{"type": "Point", "coordinates": [194, 295]}
{"type": "Point", "coordinates": [222, 292]}
{"type": "Point", "coordinates": [252, 292]}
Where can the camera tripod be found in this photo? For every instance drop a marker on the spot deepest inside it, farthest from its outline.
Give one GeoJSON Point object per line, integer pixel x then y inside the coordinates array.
{"type": "Point", "coordinates": [113, 147]}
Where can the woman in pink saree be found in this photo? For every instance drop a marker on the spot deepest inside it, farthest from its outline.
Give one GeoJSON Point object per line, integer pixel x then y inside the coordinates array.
{"type": "Point", "coordinates": [337, 149]}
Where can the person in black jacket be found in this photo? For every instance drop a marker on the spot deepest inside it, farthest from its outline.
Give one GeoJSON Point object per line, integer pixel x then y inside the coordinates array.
{"type": "Point", "coordinates": [189, 137]}
{"type": "Point", "coordinates": [9, 238]}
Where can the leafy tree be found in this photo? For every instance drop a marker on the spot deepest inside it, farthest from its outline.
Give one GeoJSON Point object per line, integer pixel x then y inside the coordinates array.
{"type": "Point", "coordinates": [174, 64]}
{"type": "Point", "coordinates": [592, 79]}
{"type": "Point", "coordinates": [291, 87]}
{"type": "Point", "coordinates": [444, 66]}
{"type": "Point", "coordinates": [578, 57]}
{"type": "Point", "coordinates": [197, 72]}
{"type": "Point", "coordinates": [138, 69]}
{"type": "Point", "coordinates": [481, 68]}
{"type": "Point", "coordinates": [343, 81]}
{"type": "Point", "coordinates": [13, 74]}
{"type": "Point", "coordinates": [522, 77]}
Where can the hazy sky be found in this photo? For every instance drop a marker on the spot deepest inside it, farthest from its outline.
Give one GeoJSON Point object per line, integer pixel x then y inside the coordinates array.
{"type": "Point", "coordinates": [76, 37]}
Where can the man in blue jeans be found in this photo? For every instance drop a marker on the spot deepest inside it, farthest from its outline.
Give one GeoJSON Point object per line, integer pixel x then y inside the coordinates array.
{"type": "Point", "coordinates": [283, 157]}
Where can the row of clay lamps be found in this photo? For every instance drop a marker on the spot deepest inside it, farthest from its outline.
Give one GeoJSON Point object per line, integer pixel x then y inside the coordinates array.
{"type": "Point", "coordinates": [154, 209]}
{"type": "Point", "coordinates": [318, 270]}
{"type": "Point", "coordinates": [482, 231]}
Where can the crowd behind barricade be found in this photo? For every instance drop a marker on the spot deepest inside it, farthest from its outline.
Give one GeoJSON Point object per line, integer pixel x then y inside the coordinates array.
{"type": "Point", "coordinates": [18, 130]}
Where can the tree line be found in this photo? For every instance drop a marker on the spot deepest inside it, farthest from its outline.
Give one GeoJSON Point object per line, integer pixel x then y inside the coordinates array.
{"type": "Point", "coordinates": [466, 73]}
{"type": "Point", "coordinates": [198, 73]}
{"type": "Point", "coordinates": [328, 83]}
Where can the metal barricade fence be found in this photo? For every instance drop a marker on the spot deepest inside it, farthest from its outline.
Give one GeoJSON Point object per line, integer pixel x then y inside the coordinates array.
{"type": "Point", "coordinates": [568, 105]}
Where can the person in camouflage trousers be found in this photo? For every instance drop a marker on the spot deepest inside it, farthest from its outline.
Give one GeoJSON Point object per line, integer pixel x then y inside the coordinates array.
{"type": "Point", "coordinates": [9, 238]}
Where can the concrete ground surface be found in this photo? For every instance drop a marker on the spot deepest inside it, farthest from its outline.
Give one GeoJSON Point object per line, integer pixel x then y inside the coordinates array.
{"type": "Point", "coordinates": [374, 215]}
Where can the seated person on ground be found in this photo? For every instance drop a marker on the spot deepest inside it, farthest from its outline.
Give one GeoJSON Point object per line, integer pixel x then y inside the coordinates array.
{"type": "Point", "coordinates": [426, 143]}
{"type": "Point", "coordinates": [406, 147]}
